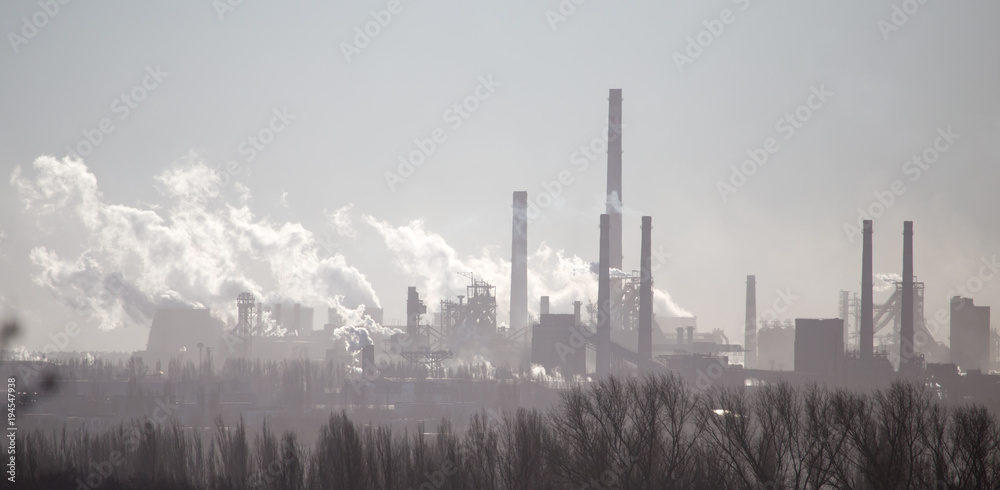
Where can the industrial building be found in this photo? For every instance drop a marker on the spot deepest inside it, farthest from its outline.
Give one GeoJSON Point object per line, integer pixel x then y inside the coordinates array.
{"type": "Point", "coordinates": [970, 335]}
{"type": "Point", "coordinates": [819, 347]}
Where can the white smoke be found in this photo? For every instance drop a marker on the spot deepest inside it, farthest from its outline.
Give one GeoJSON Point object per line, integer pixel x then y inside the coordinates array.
{"type": "Point", "coordinates": [358, 327]}
{"type": "Point", "coordinates": [194, 252]}
{"type": "Point", "coordinates": [885, 281]}
{"type": "Point", "coordinates": [428, 258]}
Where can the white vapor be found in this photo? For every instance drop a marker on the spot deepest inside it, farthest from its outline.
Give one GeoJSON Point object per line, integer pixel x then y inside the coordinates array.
{"type": "Point", "coordinates": [428, 258]}
{"type": "Point", "coordinates": [194, 252]}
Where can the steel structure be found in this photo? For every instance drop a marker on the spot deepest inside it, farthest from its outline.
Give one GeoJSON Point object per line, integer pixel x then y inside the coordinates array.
{"type": "Point", "coordinates": [245, 304]}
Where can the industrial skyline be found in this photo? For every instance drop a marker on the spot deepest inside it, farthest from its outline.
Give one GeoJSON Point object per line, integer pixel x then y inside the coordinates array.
{"type": "Point", "coordinates": [687, 130]}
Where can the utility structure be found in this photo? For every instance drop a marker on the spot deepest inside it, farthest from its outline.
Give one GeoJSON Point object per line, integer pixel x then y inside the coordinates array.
{"type": "Point", "coordinates": [614, 194]}
{"type": "Point", "coordinates": [519, 263]}
{"type": "Point", "coordinates": [476, 314]}
{"type": "Point", "coordinates": [245, 304]}
{"type": "Point", "coordinates": [603, 347]}
{"type": "Point", "coordinates": [645, 347]}
{"type": "Point", "coordinates": [750, 327]}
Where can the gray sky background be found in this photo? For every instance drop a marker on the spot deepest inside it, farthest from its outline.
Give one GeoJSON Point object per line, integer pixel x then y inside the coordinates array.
{"type": "Point", "coordinates": [352, 120]}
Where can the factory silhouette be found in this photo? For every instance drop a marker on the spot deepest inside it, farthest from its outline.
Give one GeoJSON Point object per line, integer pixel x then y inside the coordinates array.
{"type": "Point", "coordinates": [453, 360]}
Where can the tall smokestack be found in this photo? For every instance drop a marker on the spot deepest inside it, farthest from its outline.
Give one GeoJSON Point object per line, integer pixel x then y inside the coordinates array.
{"type": "Point", "coordinates": [866, 336]}
{"type": "Point", "coordinates": [906, 353]}
{"type": "Point", "coordinates": [614, 196]}
{"type": "Point", "coordinates": [576, 312]}
{"type": "Point", "coordinates": [519, 263]}
{"type": "Point", "coordinates": [690, 335]}
{"type": "Point", "coordinates": [544, 306]}
{"type": "Point", "coordinates": [680, 335]}
{"type": "Point", "coordinates": [645, 347]}
{"type": "Point", "coordinates": [750, 359]}
{"type": "Point", "coordinates": [604, 303]}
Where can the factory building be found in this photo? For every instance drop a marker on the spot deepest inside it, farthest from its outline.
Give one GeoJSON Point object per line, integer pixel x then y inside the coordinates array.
{"type": "Point", "coordinates": [970, 335]}
{"type": "Point", "coordinates": [559, 341]}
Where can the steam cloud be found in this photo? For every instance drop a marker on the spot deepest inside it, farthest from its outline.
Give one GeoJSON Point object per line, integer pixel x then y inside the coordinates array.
{"type": "Point", "coordinates": [194, 252]}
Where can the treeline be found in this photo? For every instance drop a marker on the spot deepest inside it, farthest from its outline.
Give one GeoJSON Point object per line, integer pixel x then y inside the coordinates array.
{"type": "Point", "coordinates": [617, 433]}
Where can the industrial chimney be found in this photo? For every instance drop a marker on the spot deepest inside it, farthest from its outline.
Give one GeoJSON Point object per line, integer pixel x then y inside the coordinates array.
{"type": "Point", "coordinates": [544, 306]}
{"type": "Point", "coordinates": [576, 313]}
{"type": "Point", "coordinates": [866, 336]}
{"type": "Point", "coordinates": [519, 263]}
{"type": "Point", "coordinates": [614, 196]}
{"type": "Point", "coordinates": [680, 335]}
{"type": "Point", "coordinates": [645, 347]}
{"type": "Point", "coordinates": [907, 363]}
{"type": "Point", "coordinates": [604, 303]}
{"type": "Point", "coordinates": [690, 335]}
{"type": "Point", "coordinates": [750, 358]}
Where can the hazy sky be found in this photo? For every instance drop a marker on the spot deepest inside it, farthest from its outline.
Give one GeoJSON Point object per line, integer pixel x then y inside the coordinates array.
{"type": "Point", "coordinates": [136, 210]}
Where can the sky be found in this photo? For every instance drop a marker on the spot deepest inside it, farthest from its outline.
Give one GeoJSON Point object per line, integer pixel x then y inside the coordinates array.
{"type": "Point", "coordinates": [177, 153]}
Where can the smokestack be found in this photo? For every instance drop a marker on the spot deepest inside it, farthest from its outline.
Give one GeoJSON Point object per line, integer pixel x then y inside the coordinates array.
{"type": "Point", "coordinates": [750, 328]}
{"type": "Point", "coordinates": [544, 307]}
{"type": "Point", "coordinates": [519, 263]}
{"type": "Point", "coordinates": [604, 303]}
{"type": "Point", "coordinates": [645, 347]}
{"type": "Point", "coordinates": [614, 196]}
{"type": "Point", "coordinates": [906, 353]}
{"type": "Point", "coordinates": [297, 318]}
{"type": "Point", "coordinates": [576, 312]}
{"type": "Point", "coordinates": [866, 336]}
{"type": "Point", "coordinates": [680, 335]}
{"type": "Point", "coordinates": [690, 335]}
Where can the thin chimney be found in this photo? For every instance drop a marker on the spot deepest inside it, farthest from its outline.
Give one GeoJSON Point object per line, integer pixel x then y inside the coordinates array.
{"type": "Point", "coordinates": [750, 328]}
{"type": "Point", "coordinates": [645, 347]}
{"type": "Point", "coordinates": [519, 263]}
{"type": "Point", "coordinates": [544, 307]}
{"type": "Point", "coordinates": [907, 363]}
{"type": "Point", "coordinates": [866, 337]}
{"type": "Point", "coordinates": [614, 194]}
